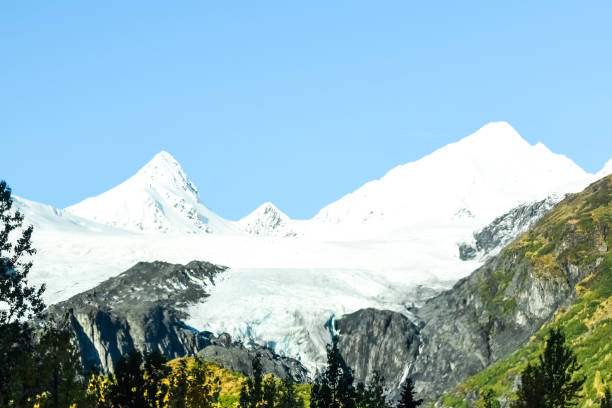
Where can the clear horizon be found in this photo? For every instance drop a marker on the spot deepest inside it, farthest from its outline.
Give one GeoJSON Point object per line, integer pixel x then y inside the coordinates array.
{"type": "Point", "coordinates": [293, 104]}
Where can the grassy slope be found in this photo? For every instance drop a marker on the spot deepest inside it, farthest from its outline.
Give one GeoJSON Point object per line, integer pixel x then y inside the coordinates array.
{"type": "Point", "coordinates": [576, 232]}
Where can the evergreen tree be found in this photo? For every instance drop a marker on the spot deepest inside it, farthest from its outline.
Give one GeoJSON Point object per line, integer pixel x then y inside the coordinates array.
{"type": "Point", "coordinates": [269, 392]}
{"type": "Point", "coordinates": [155, 371]}
{"type": "Point", "coordinates": [19, 301]}
{"type": "Point", "coordinates": [243, 400]}
{"type": "Point", "coordinates": [177, 392]}
{"type": "Point", "coordinates": [345, 393]}
{"type": "Point", "coordinates": [530, 393]}
{"type": "Point", "coordinates": [553, 382]}
{"type": "Point", "coordinates": [489, 400]}
{"type": "Point", "coordinates": [128, 390]}
{"type": "Point", "coordinates": [19, 377]}
{"type": "Point", "coordinates": [320, 394]}
{"type": "Point", "coordinates": [407, 398]}
{"type": "Point", "coordinates": [334, 387]}
{"type": "Point", "coordinates": [288, 397]}
{"type": "Point", "coordinates": [372, 396]}
{"type": "Point", "coordinates": [558, 366]}
{"type": "Point", "coordinates": [202, 390]}
{"type": "Point", "coordinates": [256, 392]}
{"type": "Point", "coordinates": [251, 394]}
{"type": "Point", "coordinates": [361, 395]}
{"type": "Point", "coordinates": [376, 392]}
{"type": "Point", "coordinates": [60, 368]}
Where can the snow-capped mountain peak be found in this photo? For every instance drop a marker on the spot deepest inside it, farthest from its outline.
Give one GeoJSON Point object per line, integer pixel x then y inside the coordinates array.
{"type": "Point", "coordinates": [486, 174]}
{"type": "Point", "coordinates": [267, 219]}
{"type": "Point", "coordinates": [494, 134]}
{"type": "Point", "coordinates": [165, 172]}
{"type": "Point", "coordinates": [158, 198]}
{"type": "Point", "coordinates": [606, 170]}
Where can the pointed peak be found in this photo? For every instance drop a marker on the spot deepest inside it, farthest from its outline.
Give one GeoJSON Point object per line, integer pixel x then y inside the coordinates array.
{"type": "Point", "coordinates": [163, 158]}
{"type": "Point", "coordinates": [605, 170]}
{"type": "Point", "coordinates": [496, 132]}
{"type": "Point", "coordinates": [501, 125]}
{"type": "Point", "coordinates": [164, 170]}
{"type": "Point", "coordinates": [266, 208]}
{"type": "Point", "coordinates": [164, 154]}
{"type": "Point", "coordinates": [267, 219]}
{"type": "Point", "coordinates": [267, 205]}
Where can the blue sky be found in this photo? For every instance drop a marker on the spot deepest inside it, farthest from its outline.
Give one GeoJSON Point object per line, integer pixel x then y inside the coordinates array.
{"type": "Point", "coordinates": [297, 103]}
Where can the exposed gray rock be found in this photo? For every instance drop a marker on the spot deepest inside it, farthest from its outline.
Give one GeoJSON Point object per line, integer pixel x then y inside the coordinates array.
{"type": "Point", "coordinates": [483, 318]}
{"type": "Point", "coordinates": [236, 356]}
{"type": "Point", "coordinates": [460, 332]}
{"type": "Point", "coordinates": [503, 229]}
{"type": "Point", "coordinates": [143, 308]}
{"type": "Point", "coordinates": [377, 340]}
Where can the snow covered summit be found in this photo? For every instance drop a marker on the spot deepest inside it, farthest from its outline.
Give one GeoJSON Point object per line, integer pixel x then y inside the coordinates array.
{"type": "Point", "coordinates": [267, 220]}
{"type": "Point", "coordinates": [479, 177]}
{"type": "Point", "coordinates": [159, 198]}
{"type": "Point", "coordinates": [606, 170]}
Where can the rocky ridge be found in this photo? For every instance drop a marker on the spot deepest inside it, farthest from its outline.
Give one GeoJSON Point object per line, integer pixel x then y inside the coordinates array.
{"type": "Point", "coordinates": [143, 308]}
{"type": "Point", "coordinates": [503, 229]}
{"type": "Point", "coordinates": [492, 312]}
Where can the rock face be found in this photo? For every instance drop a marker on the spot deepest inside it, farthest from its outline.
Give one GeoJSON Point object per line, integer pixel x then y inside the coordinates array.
{"type": "Point", "coordinates": [370, 336]}
{"type": "Point", "coordinates": [503, 229]}
{"type": "Point", "coordinates": [485, 317]}
{"type": "Point", "coordinates": [492, 312]}
{"type": "Point", "coordinates": [143, 308]}
{"type": "Point", "coordinates": [460, 332]}
{"type": "Point", "coordinates": [236, 356]}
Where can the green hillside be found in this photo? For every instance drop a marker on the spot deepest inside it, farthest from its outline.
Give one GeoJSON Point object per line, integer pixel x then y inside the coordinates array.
{"type": "Point", "coordinates": [576, 234]}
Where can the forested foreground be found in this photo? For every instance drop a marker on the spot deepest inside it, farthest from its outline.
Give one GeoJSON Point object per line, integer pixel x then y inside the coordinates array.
{"type": "Point", "coordinates": [40, 364]}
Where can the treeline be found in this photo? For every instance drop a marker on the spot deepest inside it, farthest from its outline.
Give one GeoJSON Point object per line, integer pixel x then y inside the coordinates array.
{"type": "Point", "coordinates": [38, 362]}
{"type": "Point", "coordinates": [335, 387]}
{"type": "Point", "coordinates": [267, 391]}
{"type": "Point", "coordinates": [149, 381]}
{"type": "Point", "coordinates": [39, 366]}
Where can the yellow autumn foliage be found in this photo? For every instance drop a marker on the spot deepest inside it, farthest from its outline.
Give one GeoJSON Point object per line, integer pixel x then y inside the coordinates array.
{"type": "Point", "coordinates": [598, 385]}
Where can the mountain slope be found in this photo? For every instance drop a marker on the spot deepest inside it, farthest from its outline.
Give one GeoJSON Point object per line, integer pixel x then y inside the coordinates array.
{"type": "Point", "coordinates": [574, 239]}
{"type": "Point", "coordinates": [145, 308]}
{"type": "Point", "coordinates": [497, 308]}
{"type": "Point", "coordinates": [46, 217]}
{"type": "Point", "coordinates": [605, 171]}
{"type": "Point", "coordinates": [478, 177]}
{"type": "Point", "coordinates": [160, 198]}
{"type": "Point", "coordinates": [503, 229]}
